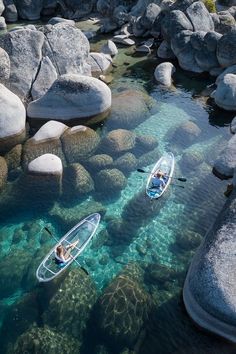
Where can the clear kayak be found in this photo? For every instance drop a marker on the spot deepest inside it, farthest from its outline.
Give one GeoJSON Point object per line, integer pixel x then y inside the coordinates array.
{"type": "Point", "coordinates": [83, 233]}
{"type": "Point", "coordinates": [166, 165]}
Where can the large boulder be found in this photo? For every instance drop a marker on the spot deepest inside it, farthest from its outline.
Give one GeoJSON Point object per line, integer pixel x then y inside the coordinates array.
{"type": "Point", "coordinates": [4, 66]}
{"type": "Point", "coordinates": [10, 12]}
{"type": "Point", "coordinates": [163, 73]}
{"type": "Point", "coordinates": [2, 7]}
{"type": "Point", "coordinates": [225, 93]}
{"type": "Point", "coordinates": [78, 180]}
{"type": "Point", "coordinates": [110, 181]}
{"type": "Point", "coordinates": [200, 17]}
{"type": "Point", "coordinates": [12, 119]}
{"type": "Point", "coordinates": [29, 9]}
{"type": "Point", "coordinates": [68, 49]}
{"type": "Point", "coordinates": [123, 308]}
{"type": "Point", "coordinates": [99, 62]}
{"type": "Point", "coordinates": [226, 162]}
{"type": "Point", "coordinates": [79, 143]}
{"type": "Point", "coordinates": [46, 140]}
{"type": "Point", "coordinates": [71, 316]}
{"type": "Point", "coordinates": [226, 49]}
{"type": "Point", "coordinates": [129, 109]}
{"type": "Point", "coordinates": [209, 289]}
{"type": "Point", "coordinates": [118, 141]}
{"type": "Point", "coordinates": [73, 97]}
{"type": "Point", "coordinates": [24, 48]}
{"type": "Point", "coordinates": [42, 340]}
{"type": "Point", "coordinates": [46, 76]}
{"type": "Point", "coordinates": [76, 9]}
{"type": "Point", "coordinates": [186, 133]}
{"type": "Point", "coordinates": [151, 13]}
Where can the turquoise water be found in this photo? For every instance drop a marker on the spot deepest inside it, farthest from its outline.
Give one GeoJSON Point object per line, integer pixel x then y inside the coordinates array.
{"type": "Point", "coordinates": [151, 231]}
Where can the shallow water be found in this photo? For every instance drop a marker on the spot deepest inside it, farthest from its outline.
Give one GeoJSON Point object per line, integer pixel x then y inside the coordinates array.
{"type": "Point", "coordinates": [153, 227]}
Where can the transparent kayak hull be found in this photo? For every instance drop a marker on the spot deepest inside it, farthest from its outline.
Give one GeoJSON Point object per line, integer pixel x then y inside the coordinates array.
{"type": "Point", "coordinates": [166, 164]}
{"type": "Point", "coordinates": [83, 231]}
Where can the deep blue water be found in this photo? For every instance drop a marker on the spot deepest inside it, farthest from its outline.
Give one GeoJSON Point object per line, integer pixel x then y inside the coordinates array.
{"type": "Point", "coordinates": [154, 228]}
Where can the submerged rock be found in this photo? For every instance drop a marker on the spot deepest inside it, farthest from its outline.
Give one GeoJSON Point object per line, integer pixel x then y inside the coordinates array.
{"type": "Point", "coordinates": [118, 141]}
{"type": "Point", "coordinates": [226, 162]}
{"type": "Point", "coordinates": [3, 172]}
{"type": "Point", "coordinates": [110, 180]}
{"type": "Point", "coordinates": [72, 97]}
{"type": "Point", "coordinates": [123, 308]}
{"type": "Point", "coordinates": [79, 143]}
{"type": "Point", "coordinates": [186, 133]}
{"type": "Point", "coordinates": [78, 180]}
{"type": "Point", "coordinates": [71, 316]}
{"type": "Point", "coordinates": [42, 340]}
{"type": "Point", "coordinates": [209, 289]}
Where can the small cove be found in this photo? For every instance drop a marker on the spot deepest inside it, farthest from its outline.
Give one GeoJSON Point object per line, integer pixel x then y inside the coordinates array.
{"type": "Point", "coordinates": [154, 227]}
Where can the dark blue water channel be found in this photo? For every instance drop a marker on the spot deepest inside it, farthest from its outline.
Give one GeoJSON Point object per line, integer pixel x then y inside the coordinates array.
{"type": "Point", "coordinates": [164, 232]}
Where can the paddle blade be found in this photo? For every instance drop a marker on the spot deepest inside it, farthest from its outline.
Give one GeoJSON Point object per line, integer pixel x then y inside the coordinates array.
{"type": "Point", "coordinates": [140, 170]}
{"type": "Point", "coordinates": [182, 179]}
{"type": "Point", "coordinates": [48, 230]}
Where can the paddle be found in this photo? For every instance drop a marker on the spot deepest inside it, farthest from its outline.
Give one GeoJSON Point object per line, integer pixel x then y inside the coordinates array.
{"type": "Point", "coordinates": [181, 179]}
{"type": "Point", "coordinates": [50, 233]}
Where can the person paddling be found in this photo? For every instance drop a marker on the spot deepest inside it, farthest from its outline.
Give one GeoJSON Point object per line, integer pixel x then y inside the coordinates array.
{"type": "Point", "coordinates": [158, 180]}
{"type": "Point", "coordinates": [62, 254]}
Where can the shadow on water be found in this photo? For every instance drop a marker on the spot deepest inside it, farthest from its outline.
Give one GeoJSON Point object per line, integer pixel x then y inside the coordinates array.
{"type": "Point", "coordinates": [170, 331]}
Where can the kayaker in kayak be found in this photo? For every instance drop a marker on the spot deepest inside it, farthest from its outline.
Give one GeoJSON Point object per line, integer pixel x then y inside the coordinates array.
{"type": "Point", "coordinates": [62, 254]}
{"type": "Point", "coordinates": [158, 180]}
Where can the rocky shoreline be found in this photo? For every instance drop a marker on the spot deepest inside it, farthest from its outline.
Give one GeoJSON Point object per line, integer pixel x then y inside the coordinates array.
{"type": "Point", "coordinates": [50, 78]}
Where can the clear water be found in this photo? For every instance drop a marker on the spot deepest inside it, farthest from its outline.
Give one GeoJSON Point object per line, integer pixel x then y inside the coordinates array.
{"type": "Point", "coordinates": [153, 226]}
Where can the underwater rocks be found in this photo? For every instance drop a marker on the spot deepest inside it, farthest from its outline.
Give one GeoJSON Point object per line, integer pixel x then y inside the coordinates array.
{"type": "Point", "coordinates": [209, 289]}
{"type": "Point", "coordinates": [12, 120]}
{"type": "Point", "coordinates": [43, 340]}
{"type": "Point", "coordinates": [79, 143]}
{"type": "Point", "coordinates": [3, 172]}
{"type": "Point", "coordinates": [122, 309]}
{"type": "Point", "coordinates": [110, 180]}
{"type": "Point", "coordinates": [186, 133]}
{"type": "Point", "coordinates": [70, 98]}
{"type": "Point", "coordinates": [129, 109]}
{"type": "Point", "coordinates": [70, 215]}
{"type": "Point", "coordinates": [118, 141]}
{"type": "Point", "coordinates": [188, 240]}
{"type": "Point", "coordinates": [98, 162]}
{"type": "Point", "coordinates": [163, 74]}
{"type": "Point", "coordinates": [78, 179]}
{"type": "Point", "coordinates": [71, 316]}
{"type": "Point", "coordinates": [226, 162]}
{"type": "Point", "coordinates": [126, 163]}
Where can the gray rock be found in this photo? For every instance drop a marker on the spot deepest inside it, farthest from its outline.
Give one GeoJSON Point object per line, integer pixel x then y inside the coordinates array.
{"type": "Point", "coordinates": [120, 15]}
{"type": "Point", "coordinates": [55, 20]}
{"type": "Point", "coordinates": [206, 60]}
{"type": "Point", "coordinates": [24, 48]}
{"type": "Point", "coordinates": [10, 12]}
{"type": "Point", "coordinates": [209, 289]}
{"type": "Point", "coordinates": [226, 22]}
{"type": "Point", "coordinates": [226, 163]}
{"type": "Point", "coordinates": [216, 71]}
{"type": "Point", "coordinates": [229, 70]}
{"type": "Point", "coordinates": [226, 49]}
{"type": "Point", "coordinates": [180, 41]}
{"type": "Point", "coordinates": [70, 97]}
{"type": "Point", "coordinates": [197, 40]}
{"type": "Point", "coordinates": [211, 39]}
{"type": "Point", "coordinates": [99, 62]}
{"type": "Point", "coordinates": [2, 7]}
{"type": "Point", "coordinates": [178, 21]}
{"type": "Point", "coordinates": [50, 130]}
{"type": "Point", "coordinates": [2, 23]}
{"type": "Point", "coordinates": [233, 127]}
{"type": "Point", "coordinates": [182, 5]}
{"type": "Point", "coordinates": [12, 119]}
{"type": "Point", "coordinates": [163, 73]}
{"type": "Point", "coordinates": [46, 164]}
{"type": "Point", "coordinates": [151, 13]}
{"type": "Point", "coordinates": [137, 27]}
{"type": "Point", "coordinates": [109, 48]}
{"type": "Point", "coordinates": [4, 66]}
{"type": "Point", "coordinates": [164, 51]}
{"type": "Point", "coordinates": [123, 39]}
{"type": "Point", "coordinates": [68, 49]}
{"type": "Point", "coordinates": [77, 8]}
{"type": "Point", "coordinates": [200, 17]}
{"type": "Point", "coordinates": [225, 93]}
{"type": "Point", "coordinates": [29, 9]}
{"type": "Point", "coordinates": [46, 76]}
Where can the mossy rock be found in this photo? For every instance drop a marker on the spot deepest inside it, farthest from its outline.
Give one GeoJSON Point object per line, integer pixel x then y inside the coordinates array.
{"type": "Point", "coordinates": [210, 5]}
{"type": "Point", "coordinates": [126, 163]}
{"type": "Point", "coordinates": [13, 157]}
{"type": "Point", "coordinates": [110, 180]}
{"type": "Point", "coordinates": [98, 162]}
{"type": "Point", "coordinates": [77, 180]}
{"type": "Point", "coordinates": [3, 173]}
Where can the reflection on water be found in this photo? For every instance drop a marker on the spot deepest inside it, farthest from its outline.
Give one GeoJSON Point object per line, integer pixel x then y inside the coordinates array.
{"type": "Point", "coordinates": [160, 235]}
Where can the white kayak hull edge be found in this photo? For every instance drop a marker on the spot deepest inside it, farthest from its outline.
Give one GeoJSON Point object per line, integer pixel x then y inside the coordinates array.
{"type": "Point", "coordinates": [84, 232]}
{"type": "Point", "coordinates": [166, 164]}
